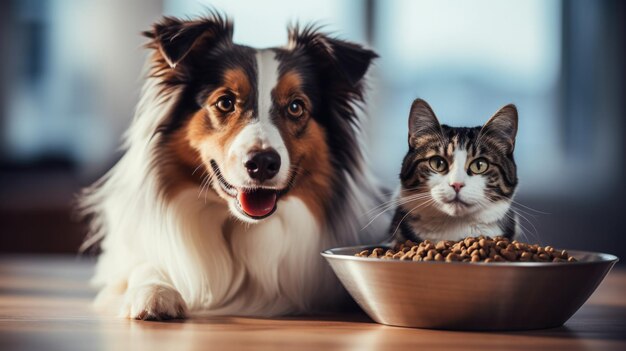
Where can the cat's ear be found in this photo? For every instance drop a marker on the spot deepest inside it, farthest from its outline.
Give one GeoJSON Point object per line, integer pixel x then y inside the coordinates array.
{"type": "Point", "coordinates": [501, 129]}
{"type": "Point", "coordinates": [175, 38]}
{"type": "Point", "coordinates": [422, 121]}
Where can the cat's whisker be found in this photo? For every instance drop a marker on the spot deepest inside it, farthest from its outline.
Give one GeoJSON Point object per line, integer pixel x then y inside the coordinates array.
{"type": "Point", "coordinates": [401, 202]}
{"type": "Point", "coordinates": [525, 230]}
{"type": "Point", "coordinates": [528, 207]}
{"type": "Point", "coordinates": [529, 235]}
{"type": "Point", "coordinates": [376, 216]}
{"type": "Point", "coordinates": [396, 202]}
{"type": "Point", "coordinates": [427, 203]}
{"type": "Point", "coordinates": [419, 188]}
{"type": "Point", "coordinates": [386, 203]}
{"type": "Point", "coordinates": [534, 216]}
{"type": "Point", "coordinates": [407, 200]}
{"type": "Point", "coordinates": [535, 231]}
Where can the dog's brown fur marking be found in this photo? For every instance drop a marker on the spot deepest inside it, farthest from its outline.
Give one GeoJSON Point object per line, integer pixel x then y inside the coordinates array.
{"type": "Point", "coordinates": [306, 142]}
{"type": "Point", "coordinates": [314, 171]}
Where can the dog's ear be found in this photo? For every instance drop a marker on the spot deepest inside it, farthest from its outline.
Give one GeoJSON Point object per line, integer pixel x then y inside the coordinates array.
{"type": "Point", "coordinates": [175, 38]}
{"type": "Point", "coordinates": [347, 60]}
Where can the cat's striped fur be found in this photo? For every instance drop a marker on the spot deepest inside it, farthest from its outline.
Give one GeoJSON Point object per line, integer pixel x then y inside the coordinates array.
{"type": "Point", "coordinates": [446, 193]}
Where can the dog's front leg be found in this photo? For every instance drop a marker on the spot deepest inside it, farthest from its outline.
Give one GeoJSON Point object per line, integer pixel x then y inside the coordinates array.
{"type": "Point", "coordinates": [151, 296]}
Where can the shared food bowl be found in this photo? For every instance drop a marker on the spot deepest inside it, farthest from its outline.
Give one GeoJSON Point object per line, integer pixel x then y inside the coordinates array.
{"type": "Point", "coordinates": [469, 296]}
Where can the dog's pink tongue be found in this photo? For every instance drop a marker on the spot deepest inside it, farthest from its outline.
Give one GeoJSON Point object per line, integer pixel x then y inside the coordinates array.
{"type": "Point", "coordinates": [257, 203]}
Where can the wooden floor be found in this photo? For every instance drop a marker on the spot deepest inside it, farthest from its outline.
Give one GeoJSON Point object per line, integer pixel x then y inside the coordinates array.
{"type": "Point", "coordinates": [44, 305]}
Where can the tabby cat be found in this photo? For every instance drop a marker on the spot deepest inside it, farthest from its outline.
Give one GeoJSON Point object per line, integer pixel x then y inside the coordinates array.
{"type": "Point", "coordinates": [457, 182]}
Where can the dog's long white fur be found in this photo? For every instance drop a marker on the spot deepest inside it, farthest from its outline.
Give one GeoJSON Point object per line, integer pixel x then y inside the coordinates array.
{"type": "Point", "coordinates": [160, 255]}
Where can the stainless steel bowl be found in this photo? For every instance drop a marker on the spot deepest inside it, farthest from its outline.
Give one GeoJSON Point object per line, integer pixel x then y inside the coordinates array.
{"type": "Point", "coordinates": [469, 296]}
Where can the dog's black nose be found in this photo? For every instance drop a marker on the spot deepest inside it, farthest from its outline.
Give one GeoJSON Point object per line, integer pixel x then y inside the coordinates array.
{"type": "Point", "coordinates": [263, 165]}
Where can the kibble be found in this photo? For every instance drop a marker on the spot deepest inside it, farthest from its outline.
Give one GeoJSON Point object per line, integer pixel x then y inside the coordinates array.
{"type": "Point", "coordinates": [471, 249]}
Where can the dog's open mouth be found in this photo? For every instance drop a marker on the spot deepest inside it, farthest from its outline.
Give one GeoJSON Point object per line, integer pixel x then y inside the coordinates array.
{"type": "Point", "coordinates": [256, 203]}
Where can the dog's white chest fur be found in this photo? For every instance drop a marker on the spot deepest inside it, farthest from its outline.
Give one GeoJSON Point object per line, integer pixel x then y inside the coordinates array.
{"type": "Point", "coordinates": [280, 259]}
{"type": "Point", "coordinates": [223, 266]}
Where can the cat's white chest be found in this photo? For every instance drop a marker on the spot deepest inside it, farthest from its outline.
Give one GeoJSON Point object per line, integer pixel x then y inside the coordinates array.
{"type": "Point", "coordinates": [431, 224]}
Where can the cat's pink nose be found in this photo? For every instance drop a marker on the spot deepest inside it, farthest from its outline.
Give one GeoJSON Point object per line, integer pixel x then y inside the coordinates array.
{"type": "Point", "coordinates": [457, 186]}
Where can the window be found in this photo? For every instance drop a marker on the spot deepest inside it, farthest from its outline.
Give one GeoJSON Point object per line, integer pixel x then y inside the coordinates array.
{"type": "Point", "coordinates": [467, 59]}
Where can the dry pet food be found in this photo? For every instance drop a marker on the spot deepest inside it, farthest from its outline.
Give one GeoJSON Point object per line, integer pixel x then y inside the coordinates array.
{"type": "Point", "coordinates": [471, 249]}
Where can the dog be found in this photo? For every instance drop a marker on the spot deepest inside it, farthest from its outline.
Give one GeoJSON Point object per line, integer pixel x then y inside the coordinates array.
{"type": "Point", "coordinates": [239, 167]}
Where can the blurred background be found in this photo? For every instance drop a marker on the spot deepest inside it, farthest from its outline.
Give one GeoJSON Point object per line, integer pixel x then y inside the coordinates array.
{"type": "Point", "coordinates": [70, 73]}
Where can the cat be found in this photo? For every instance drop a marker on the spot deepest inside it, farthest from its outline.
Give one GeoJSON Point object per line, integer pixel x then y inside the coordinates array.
{"type": "Point", "coordinates": [457, 182]}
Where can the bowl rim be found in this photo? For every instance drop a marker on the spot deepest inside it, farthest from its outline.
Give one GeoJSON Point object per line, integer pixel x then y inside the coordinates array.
{"type": "Point", "coordinates": [602, 258]}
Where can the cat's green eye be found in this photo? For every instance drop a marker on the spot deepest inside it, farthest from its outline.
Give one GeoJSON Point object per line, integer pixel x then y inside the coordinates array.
{"type": "Point", "coordinates": [438, 164]}
{"type": "Point", "coordinates": [479, 166]}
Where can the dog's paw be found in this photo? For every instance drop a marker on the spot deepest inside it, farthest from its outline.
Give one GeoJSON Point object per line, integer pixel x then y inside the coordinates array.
{"type": "Point", "coordinates": [154, 302]}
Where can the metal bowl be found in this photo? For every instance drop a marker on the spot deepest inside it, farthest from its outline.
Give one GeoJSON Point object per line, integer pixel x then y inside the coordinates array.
{"type": "Point", "coordinates": [469, 296]}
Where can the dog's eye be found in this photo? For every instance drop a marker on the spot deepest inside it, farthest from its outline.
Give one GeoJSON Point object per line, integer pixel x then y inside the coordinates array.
{"type": "Point", "coordinates": [479, 166]}
{"type": "Point", "coordinates": [226, 103]}
{"type": "Point", "coordinates": [295, 108]}
{"type": "Point", "coordinates": [438, 164]}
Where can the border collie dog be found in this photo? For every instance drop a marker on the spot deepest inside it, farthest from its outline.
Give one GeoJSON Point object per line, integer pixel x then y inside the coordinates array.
{"type": "Point", "coordinates": [240, 166]}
